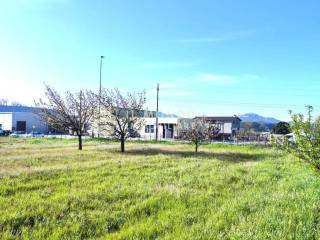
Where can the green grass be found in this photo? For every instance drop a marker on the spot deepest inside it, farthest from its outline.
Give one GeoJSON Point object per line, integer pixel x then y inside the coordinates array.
{"type": "Point", "coordinates": [50, 190]}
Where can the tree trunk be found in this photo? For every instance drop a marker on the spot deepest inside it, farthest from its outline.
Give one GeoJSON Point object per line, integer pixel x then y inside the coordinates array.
{"type": "Point", "coordinates": [196, 147]}
{"type": "Point", "coordinates": [122, 144]}
{"type": "Point", "coordinates": [80, 141]}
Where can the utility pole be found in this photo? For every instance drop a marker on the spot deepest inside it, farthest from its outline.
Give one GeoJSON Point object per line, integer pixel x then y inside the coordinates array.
{"type": "Point", "coordinates": [100, 88]}
{"type": "Point", "coordinates": [223, 132]}
{"type": "Point", "coordinates": [80, 123]}
{"type": "Point", "coordinates": [157, 120]}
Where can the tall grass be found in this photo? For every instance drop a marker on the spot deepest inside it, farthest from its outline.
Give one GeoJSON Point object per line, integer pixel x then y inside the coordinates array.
{"type": "Point", "coordinates": [49, 190]}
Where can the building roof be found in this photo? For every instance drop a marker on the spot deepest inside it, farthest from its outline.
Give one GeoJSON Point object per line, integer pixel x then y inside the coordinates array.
{"type": "Point", "coordinates": [152, 114]}
{"type": "Point", "coordinates": [221, 118]}
{"type": "Point", "coordinates": [15, 109]}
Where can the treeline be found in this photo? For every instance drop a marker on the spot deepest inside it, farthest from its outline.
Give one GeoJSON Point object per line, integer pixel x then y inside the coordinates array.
{"type": "Point", "coordinates": [256, 127]}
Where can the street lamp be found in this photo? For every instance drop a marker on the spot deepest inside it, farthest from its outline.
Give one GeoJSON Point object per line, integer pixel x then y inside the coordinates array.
{"type": "Point", "coordinates": [100, 86]}
{"type": "Point", "coordinates": [157, 113]}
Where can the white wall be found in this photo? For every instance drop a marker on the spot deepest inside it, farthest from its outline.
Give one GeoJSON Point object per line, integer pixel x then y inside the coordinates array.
{"type": "Point", "coordinates": [149, 136]}
{"type": "Point", "coordinates": [152, 121]}
{"type": "Point", "coordinates": [6, 121]}
{"type": "Point", "coordinates": [227, 128]}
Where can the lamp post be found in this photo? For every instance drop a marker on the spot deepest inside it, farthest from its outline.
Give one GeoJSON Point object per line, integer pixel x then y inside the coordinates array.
{"type": "Point", "coordinates": [100, 87]}
{"type": "Point", "coordinates": [157, 113]}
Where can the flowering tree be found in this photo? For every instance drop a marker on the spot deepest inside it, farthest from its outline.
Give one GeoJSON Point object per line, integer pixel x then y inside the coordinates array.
{"type": "Point", "coordinates": [74, 112]}
{"type": "Point", "coordinates": [197, 131]}
{"type": "Point", "coordinates": [121, 115]}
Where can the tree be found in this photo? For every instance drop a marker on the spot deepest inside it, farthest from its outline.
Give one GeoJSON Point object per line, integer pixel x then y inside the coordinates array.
{"type": "Point", "coordinates": [74, 112]}
{"type": "Point", "coordinates": [306, 142]}
{"type": "Point", "coordinates": [121, 114]}
{"type": "Point", "coordinates": [17, 104]}
{"type": "Point", "coordinates": [255, 127]}
{"type": "Point", "coordinates": [281, 128]}
{"type": "Point", "coordinates": [4, 102]}
{"type": "Point", "coordinates": [196, 131]}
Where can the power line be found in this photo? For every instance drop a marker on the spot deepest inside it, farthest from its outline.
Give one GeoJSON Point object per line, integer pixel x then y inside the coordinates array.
{"type": "Point", "coordinates": [246, 104]}
{"type": "Point", "coordinates": [271, 93]}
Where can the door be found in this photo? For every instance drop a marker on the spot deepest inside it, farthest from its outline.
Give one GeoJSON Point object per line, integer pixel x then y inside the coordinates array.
{"type": "Point", "coordinates": [169, 131]}
{"type": "Point", "coordinates": [163, 131]}
{"type": "Point", "coordinates": [21, 126]}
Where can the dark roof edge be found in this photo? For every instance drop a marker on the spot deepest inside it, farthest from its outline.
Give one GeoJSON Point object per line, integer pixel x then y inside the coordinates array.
{"type": "Point", "coordinates": [220, 117]}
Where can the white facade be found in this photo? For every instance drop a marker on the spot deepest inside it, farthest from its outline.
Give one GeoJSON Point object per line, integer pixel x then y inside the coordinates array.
{"type": "Point", "coordinates": [166, 128]}
{"type": "Point", "coordinates": [226, 128]}
{"type": "Point", "coordinates": [6, 121]}
{"type": "Point", "coordinates": [228, 125]}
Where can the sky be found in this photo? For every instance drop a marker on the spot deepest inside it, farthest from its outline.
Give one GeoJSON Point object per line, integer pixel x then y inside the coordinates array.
{"type": "Point", "coordinates": [210, 57]}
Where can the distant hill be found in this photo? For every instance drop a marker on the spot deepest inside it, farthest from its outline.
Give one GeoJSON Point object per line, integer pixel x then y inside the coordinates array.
{"type": "Point", "coordinates": [253, 117]}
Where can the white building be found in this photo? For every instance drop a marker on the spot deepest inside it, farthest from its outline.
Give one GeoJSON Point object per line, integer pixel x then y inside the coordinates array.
{"type": "Point", "coordinates": [19, 118]}
{"type": "Point", "coordinates": [166, 128]}
{"type": "Point", "coordinates": [228, 125]}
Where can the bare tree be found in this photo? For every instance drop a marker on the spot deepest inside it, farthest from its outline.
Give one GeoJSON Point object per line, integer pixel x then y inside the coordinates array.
{"type": "Point", "coordinates": [197, 131]}
{"type": "Point", "coordinates": [4, 102]}
{"type": "Point", "coordinates": [16, 104]}
{"type": "Point", "coordinates": [71, 113]}
{"type": "Point", "coordinates": [121, 114]}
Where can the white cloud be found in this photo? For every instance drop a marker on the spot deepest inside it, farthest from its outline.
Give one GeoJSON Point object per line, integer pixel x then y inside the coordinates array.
{"type": "Point", "coordinates": [176, 93]}
{"type": "Point", "coordinates": [33, 5]}
{"type": "Point", "coordinates": [168, 85]}
{"type": "Point", "coordinates": [31, 2]}
{"type": "Point", "coordinates": [164, 65]}
{"type": "Point", "coordinates": [221, 38]}
{"type": "Point", "coordinates": [185, 86]}
{"type": "Point", "coordinates": [251, 76]}
{"type": "Point", "coordinates": [217, 79]}
{"type": "Point", "coordinates": [183, 80]}
{"type": "Point", "coordinates": [170, 91]}
{"type": "Point", "coordinates": [182, 93]}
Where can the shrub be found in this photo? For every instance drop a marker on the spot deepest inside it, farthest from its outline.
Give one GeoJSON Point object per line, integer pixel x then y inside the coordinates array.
{"type": "Point", "coordinates": [305, 143]}
{"type": "Point", "coordinates": [281, 128]}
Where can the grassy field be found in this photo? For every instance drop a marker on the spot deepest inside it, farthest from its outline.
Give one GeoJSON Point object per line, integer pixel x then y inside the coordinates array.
{"type": "Point", "coordinates": [50, 190]}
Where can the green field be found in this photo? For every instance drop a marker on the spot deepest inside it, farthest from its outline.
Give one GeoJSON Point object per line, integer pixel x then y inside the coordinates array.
{"type": "Point", "coordinates": [50, 190]}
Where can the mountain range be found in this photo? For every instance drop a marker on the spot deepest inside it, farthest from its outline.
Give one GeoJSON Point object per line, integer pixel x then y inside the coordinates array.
{"type": "Point", "coordinates": [253, 117]}
{"type": "Point", "coordinates": [247, 117]}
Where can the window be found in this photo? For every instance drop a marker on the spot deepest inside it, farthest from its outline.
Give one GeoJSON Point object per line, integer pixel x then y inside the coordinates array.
{"type": "Point", "coordinates": [149, 129]}
{"type": "Point", "coordinates": [0, 126]}
{"type": "Point", "coordinates": [218, 125]}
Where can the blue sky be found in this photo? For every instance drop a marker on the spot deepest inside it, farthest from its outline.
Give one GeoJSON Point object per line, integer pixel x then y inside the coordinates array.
{"type": "Point", "coordinates": [210, 57]}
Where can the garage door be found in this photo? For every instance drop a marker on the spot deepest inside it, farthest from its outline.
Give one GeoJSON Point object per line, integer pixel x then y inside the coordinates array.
{"type": "Point", "coordinates": [21, 126]}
